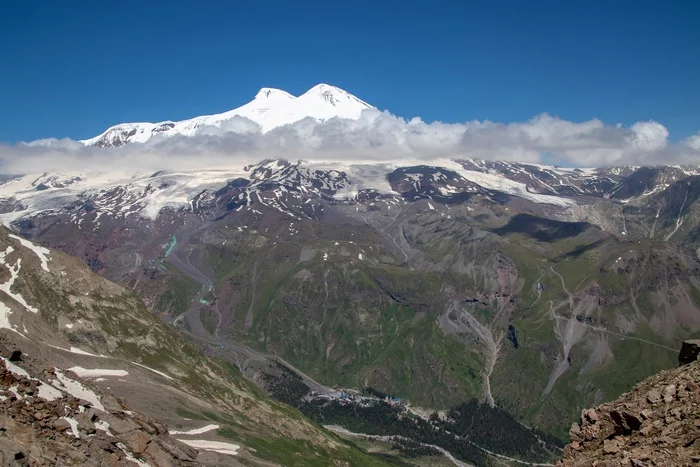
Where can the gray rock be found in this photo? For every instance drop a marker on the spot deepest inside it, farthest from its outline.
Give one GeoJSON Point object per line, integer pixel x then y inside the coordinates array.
{"type": "Point", "coordinates": [670, 393]}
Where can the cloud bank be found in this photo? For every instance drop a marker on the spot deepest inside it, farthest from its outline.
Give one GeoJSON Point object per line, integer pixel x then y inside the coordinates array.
{"type": "Point", "coordinates": [375, 137]}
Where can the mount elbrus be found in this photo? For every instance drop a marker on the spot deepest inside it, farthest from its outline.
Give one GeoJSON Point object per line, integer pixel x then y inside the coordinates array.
{"type": "Point", "coordinates": [535, 290]}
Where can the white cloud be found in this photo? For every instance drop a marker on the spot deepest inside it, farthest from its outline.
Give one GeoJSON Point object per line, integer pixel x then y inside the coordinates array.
{"type": "Point", "coordinates": [375, 137]}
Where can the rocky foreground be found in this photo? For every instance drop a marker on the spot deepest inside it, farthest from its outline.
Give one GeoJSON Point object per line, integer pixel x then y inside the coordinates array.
{"type": "Point", "coordinates": [655, 424]}
{"type": "Point", "coordinates": [43, 422]}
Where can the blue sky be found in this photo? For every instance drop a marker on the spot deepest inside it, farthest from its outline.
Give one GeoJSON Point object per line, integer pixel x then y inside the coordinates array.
{"type": "Point", "coordinates": [71, 69]}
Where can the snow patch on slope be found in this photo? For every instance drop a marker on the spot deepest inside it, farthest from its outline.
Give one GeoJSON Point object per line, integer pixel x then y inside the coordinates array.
{"type": "Point", "coordinates": [216, 446]}
{"type": "Point", "coordinates": [500, 183]}
{"type": "Point", "coordinates": [154, 371]}
{"type": "Point", "coordinates": [196, 431]}
{"type": "Point", "coordinates": [96, 372]}
{"type": "Point", "coordinates": [14, 273]}
{"type": "Point", "coordinates": [77, 390]}
{"type": "Point", "coordinates": [41, 252]}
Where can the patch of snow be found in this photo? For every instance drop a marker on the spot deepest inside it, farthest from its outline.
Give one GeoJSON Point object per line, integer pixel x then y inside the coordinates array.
{"type": "Point", "coordinates": [103, 426]}
{"type": "Point", "coordinates": [41, 252]}
{"type": "Point", "coordinates": [14, 274]}
{"type": "Point", "coordinates": [48, 392]}
{"type": "Point", "coordinates": [154, 371]}
{"type": "Point", "coordinates": [196, 431]}
{"type": "Point", "coordinates": [5, 313]}
{"type": "Point", "coordinates": [73, 425]}
{"type": "Point", "coordinates": [13, 390]}
{"type": "Point", "coordinates": [91, 373]}
{"type": "Point", "coordinates": [82, 352]}
{"type": "Point", "coordinates": [216, 446]}
{"type": "Point", "coordinates": [77, 351]}
{"type": "Point", "coordinates": [505, 185]}
{"type": "Point", "coordinates": [14, 368]}
{"type": "Point", "coordinates": [78, 391]}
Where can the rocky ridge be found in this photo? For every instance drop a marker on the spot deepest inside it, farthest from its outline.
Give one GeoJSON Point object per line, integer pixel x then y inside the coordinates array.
{"type": "Point", "coordinates": [655, 424]}
{"type": "Point", "coordinates": [44, 422]}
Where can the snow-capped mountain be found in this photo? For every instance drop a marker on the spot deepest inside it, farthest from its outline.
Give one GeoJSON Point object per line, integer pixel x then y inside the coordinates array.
{"type": "Point", "coordinates": [271, 108]}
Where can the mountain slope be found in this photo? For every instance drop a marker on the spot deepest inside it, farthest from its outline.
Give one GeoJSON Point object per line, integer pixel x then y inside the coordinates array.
{"type": "Point", "coordinates": [656, 423]}
{"type": "Point", "coordinates": [433, 281]}
{"type": "Point", "coordinates": [270, 109]}
{"type": "Point", "coordinates": [50, 416]}
{"type": "Point", "coordinates": [53, 306]}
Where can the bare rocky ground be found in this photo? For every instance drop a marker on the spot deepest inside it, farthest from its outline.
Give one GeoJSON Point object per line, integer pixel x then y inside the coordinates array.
{"type": "Point", "coordinates": [41, 424]}
{"type": "Point", "coordinates": [655, 424]}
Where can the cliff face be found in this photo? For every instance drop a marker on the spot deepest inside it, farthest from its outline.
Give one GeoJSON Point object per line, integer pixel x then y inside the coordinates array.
{"type": "Point", "coordinates": [657, 423]}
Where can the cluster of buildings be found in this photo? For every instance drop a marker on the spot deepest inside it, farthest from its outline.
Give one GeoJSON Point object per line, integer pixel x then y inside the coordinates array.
{"type": "Point", "coordinates": [355, 397]}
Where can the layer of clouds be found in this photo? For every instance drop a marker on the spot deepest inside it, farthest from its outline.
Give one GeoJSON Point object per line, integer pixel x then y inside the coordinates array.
{"type": "Point", "coordinates": [375, 137]}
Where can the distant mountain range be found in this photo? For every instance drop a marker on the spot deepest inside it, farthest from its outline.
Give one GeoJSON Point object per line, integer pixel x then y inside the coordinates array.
{"type": "Point", "coordinates": [537, 290]}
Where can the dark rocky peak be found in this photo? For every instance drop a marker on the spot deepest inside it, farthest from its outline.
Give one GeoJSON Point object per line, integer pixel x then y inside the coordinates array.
{"type": "Point", "coordinates": [650, 180]}
{"type": "Point", "coordinates": [429, 182]}
{"type": "Point", "coordinates": [294, 176]}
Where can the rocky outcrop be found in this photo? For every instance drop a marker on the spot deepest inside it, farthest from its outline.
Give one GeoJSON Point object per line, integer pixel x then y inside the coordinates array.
{"type": "Point", "coordinates": [689, 352]}
{"type": "Point", "coordinates": [43, 422]}
{"type": "Point", "coordinates": [657, 423]}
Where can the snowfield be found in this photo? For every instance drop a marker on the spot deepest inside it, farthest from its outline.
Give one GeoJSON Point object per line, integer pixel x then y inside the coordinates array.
{"type": "Point", "coordinates": [41, 252]}
{"type": "Point", "coordinates": [97, 372]}
{"type": "Point", "coordinates": [196, 431]}
{"type": "Point", "coordinates": [216, 446]}
{"type": "Point", "coordinates": [145, 195]}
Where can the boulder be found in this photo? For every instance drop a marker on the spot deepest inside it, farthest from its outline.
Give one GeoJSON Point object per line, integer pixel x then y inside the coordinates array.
{"type": "Point", "coordinates": [137, 441]}
{"type": "Point", "coordinates": [689, 352]}
{"type": "Point", "coordinates": [61, 424]}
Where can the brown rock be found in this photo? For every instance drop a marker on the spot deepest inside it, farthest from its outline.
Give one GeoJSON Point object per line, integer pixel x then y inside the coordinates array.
{"type": "Point", "coordinates": [670, 393]}
{"type": "Point", "coordinates": [84, 423]}
{"type": "Point", "coordinates": [111, 403]}
{"type": "Point", "coordinates": [589, 415]}
{"type": "Point", "coordinates": [590, 432]}
{"type": "Point", "coordinates": [119, 426]}
{"type": "Point", "coordinates": [654, 396]}
{"type": "Point", "coordinates": [625, 421]}
{"type": "Point", "coordinates": [158, 457]}
{"type": "Point", "coordinates": [178, 449]}
{"type": "Point", "coordinates": [136, 441]}
{"type": "Point", "coordinates": [61, 424]}
{"type": "Point", "coordinates": [575, 432]}
{"type": "Point", "coordinates": [655, 424]}
{"type": "Point", "coordinates": [610, 446]}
